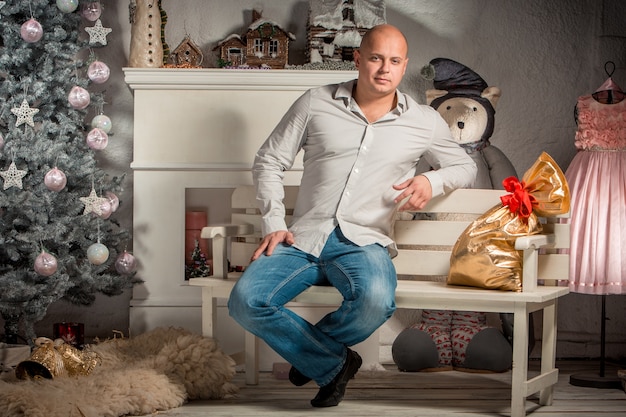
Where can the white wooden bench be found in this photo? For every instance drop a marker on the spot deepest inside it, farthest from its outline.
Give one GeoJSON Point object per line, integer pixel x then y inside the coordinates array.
{"type": "Point", "coordinates": [541, 271]}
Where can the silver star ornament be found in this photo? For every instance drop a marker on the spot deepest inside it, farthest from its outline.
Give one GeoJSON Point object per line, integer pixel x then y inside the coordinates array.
{"type": "Point", "coordinates": [93, 203]}
{"type": "Point", "coordinates": [98, 33]}
{"type": "Point", "coordinates": [13, 177]}
{"type": "Point", "coordinates": [24, 114]}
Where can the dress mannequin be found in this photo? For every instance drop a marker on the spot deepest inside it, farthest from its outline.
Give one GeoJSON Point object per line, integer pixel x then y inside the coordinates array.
{"type": "Point", "coordinates": [597, 181]}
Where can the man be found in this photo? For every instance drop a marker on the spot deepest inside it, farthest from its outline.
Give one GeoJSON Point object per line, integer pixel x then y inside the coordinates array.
{"type": "Point", "coordinates": [362, 140]}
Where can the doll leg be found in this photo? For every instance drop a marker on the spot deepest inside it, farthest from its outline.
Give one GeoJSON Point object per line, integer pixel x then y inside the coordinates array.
{"type": "Point", "coordinates": [478, 347]}
{"type": "Point", "coordinates": [425, 345]}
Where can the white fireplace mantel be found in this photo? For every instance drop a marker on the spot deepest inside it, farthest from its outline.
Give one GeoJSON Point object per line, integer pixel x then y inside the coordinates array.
{"type": "Point", "coordinates": [230, 79]}
{"type": "Point", "coordinates": [195, 129]}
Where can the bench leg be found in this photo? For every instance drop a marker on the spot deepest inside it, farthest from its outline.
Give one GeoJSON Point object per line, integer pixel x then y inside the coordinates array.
{"type": "Point", "coordinates": [548, 350]}
{"type": "Point", "coordinates": [369, 349]}
{"type": "Point", "coordinates": [251, 343]}
{"type": "Point", "coordinates": [209, 312]}
{"type": "Point", "coordinates": [252, 358]}
{"type": "Point", "coordinates": [520, 362]}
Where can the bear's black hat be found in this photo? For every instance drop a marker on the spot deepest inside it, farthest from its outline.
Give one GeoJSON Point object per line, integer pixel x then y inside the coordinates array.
{"type": "Point", "coordinates": [456, 78]}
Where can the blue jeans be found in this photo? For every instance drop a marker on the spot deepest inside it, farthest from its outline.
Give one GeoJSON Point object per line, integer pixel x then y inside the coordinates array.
{"type": "Point", "coordinates": [366, 278]}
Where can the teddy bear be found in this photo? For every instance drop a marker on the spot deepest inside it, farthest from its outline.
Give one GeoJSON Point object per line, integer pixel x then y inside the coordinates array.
{"type": "Point", "coordinates": [461, 340]}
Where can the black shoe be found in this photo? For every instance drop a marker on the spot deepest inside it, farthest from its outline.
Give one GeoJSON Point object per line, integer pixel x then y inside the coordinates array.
{"type": "Point", "coordinates": [331, 395]}
{"type": "Point", "coordinates": [297, 378]}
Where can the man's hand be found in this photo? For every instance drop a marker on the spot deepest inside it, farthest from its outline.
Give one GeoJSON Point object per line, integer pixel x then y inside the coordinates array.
{"type": "Point", "coordinates": [417, 189]}
{"type": "Point", "coordinates": [271, 240]}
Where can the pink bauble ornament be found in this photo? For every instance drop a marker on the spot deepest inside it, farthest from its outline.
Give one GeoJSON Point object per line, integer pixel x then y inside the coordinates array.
{"type": "Point", "coordinates": [31, 31]}
{"type": "Point", "coordinates": [92, 10]}
{"type": "Point", "coordinates": [67, 6]}
{"type": "Point", "coordinates": [115, 202]}
{"type": "Point", "coordinates": [98, 72]}
{"type": "Point", "coordinates": [55, 179]}
{"type": "Point", "coordinates": [97, 139]}
{"type": "Point", "coordinates": [45, 264]}
{"type": "Point", "coordinates": [78, 97]}
{"type": "Point", "coordinates": [97, 253]}
{"type": "Point", "coordinates": [125, 264]}
{"type": "Point", "coordinates": [103, 122]}
{"type": "Point", "coordinates": [105, 209]}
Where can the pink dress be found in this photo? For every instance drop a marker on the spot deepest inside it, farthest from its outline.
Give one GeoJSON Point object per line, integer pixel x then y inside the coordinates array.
{"type": "Point", "coordinates": [597, 181]}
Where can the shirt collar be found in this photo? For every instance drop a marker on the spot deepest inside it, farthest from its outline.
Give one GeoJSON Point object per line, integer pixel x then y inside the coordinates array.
{"type": "Point", "coordinates": [344, 92]}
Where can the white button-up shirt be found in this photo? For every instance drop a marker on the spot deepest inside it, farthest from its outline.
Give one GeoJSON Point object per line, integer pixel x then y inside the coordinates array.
{"type": "Point", "coordinates": [351, 164]}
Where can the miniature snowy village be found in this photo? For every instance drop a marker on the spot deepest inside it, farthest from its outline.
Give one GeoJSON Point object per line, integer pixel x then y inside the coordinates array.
{"type": "Point", "coordinates": [334, 31]}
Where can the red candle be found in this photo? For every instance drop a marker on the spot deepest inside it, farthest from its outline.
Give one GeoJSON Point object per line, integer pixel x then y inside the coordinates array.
{"type": "Point", "coordinates": [71, 333]}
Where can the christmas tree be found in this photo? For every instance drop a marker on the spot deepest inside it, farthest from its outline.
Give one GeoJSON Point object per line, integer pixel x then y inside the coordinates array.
{"type": "Point", "coordinates": [58, 235]}
{"type": "Point", "coordinates": [199, 266]}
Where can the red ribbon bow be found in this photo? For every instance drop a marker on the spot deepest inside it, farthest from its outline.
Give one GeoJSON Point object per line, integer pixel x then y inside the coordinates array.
{"type": "Point", "coordinates": [520, 201]}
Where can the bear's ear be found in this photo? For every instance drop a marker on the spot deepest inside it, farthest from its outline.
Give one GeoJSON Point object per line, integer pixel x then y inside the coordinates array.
{"type": "Point", "coordinates": [492, 94]}
{"type": "Point", "coordinates": [433, 94]}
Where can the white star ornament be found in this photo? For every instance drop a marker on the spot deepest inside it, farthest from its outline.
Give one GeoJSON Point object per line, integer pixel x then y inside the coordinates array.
{"type": "Point", "coordinates": [24, 114]}
{"type": "Point", "coordinates": [98, 33]}
{"type": "Point", "coordinates": [92, 203]}
{"type": "Point", "coordinates": [13, 177]}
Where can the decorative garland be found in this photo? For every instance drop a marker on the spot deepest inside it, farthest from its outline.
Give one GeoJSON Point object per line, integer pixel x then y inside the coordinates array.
{"type": "Point", "coordinates": [166, 47]}
{"type": "Point", "coordinates": [260, 30]}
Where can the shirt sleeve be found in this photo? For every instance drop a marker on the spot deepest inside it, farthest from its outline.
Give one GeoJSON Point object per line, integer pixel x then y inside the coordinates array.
{"type": "Point", "coordinates": [277, 155]}
{"type": "Point", "coordinates": [453, 167]}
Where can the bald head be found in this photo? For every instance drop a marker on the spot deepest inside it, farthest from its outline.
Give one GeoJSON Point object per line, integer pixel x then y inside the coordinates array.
{"type": "Point", "coordinates": [383, 32]}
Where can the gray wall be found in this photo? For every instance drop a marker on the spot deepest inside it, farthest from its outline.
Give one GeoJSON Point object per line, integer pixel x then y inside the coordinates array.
{"type": "Point", "coordinates": [543, 54]}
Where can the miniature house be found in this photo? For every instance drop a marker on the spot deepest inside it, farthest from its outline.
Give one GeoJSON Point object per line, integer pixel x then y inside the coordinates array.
{"type": "Point", "coordinates": [337, 26]}
{"type": "Point", "coordinates": [232, 51]}
{"type": "Point", "coordinates": [265, 43]}
{"type": "Point", "coordinates": [187, 54]}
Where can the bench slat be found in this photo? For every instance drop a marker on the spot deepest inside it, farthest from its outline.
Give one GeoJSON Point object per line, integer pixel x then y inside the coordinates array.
{"type": "Point", "coordinates": [470, 201]}
{"type": "Point", "coordinates": [436, 263]}
{"type": "Point", "coordinates": [422, 262]}
{"type": "Point", "coordinates": [553, 267]}
{"type": "Point", "coordinates": [428, 232]}
{"type": "Point", "coordinates": [438, 295]}
{"type": "Point", "coordinates": [422, 294]}
{"type": "Point", "coordinates": [561, 234]}
{"type": "Point", "coordinates": [241, 252]}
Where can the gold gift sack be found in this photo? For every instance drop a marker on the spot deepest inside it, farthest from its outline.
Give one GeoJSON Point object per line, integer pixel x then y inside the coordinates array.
{"type": "Point", "coordinates": [484, 255]}
{"type": "Point", "coordinates": [52, 359]}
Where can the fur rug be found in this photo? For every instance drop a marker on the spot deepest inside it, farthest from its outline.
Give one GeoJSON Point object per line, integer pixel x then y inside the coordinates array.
{"type": "Point", "coordinates": [158, 370]}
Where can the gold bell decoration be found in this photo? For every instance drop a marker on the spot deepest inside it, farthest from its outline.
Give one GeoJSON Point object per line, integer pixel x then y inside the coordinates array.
{"type": "Point", "coordinates": [51, 359]}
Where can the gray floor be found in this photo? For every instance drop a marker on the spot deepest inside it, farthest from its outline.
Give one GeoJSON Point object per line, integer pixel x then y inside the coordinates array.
{"type": "Point", "coordinates": [392, 393]}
